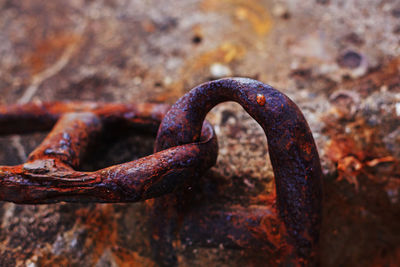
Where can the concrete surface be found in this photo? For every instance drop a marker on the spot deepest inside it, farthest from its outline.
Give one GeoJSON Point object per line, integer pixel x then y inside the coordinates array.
{"type": "Point", "coordinates": [338, 60]}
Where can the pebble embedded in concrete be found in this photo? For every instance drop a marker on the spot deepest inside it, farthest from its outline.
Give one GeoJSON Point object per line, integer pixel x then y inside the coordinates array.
{"type": "Point", "coordinates": [398, 109]}
{"type": "Point", "coordinates": [219, 70]}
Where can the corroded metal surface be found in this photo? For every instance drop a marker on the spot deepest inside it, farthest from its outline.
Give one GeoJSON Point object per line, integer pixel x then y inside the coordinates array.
{"type": "Point", "coordinates": [291, 146]}
{"type": "Point", "coordinates": [338, 60]}
{"type": "Point", "coordinates": [185, 148]}
{"type": "Point", "coordinates": [49, 176]}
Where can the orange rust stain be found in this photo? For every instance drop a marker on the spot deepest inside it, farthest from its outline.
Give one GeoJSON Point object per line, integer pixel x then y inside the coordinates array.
{"type": "Point", "coordinates": [148, 26]}
{"type": "Point", "coordinates": [390, 259]}
{"type": "Point", "coordinates": [250, 11]}
{"type": "Point", "coordinates": [339, 147]}
{"type": "Point", "coordinates": [306, 147]}
{"type": "Point", "coordinates": [102, 228]}
{"type": "Point", "coordinates": [150, 203]}
{"type": "Point", "coordinates": [356, 150]}
{"type": "Point", "coordinates": [127, 258]}
{"type": "Point", "coordinates": [388, 75]}
{"type": "Point", "coordinates": [289, 145]}
{"type": "Point", "coordinates": [271, 228]}
{"type": "Point", "coordinates": [170, 93]}
{"type": "Point", "coordinates": [49, 259]}
{"type": "Point", "coordinates": [349, 167]}
{"type": "Point", "coordinates": [261, 99]}
{"type": "Point", "coordinates": [225, 53]}
{"type": "Point", "coordinates": [242, 11]}
{"type": "Point", "coordinates": [265, 199]}
{"type": "Point", "coordinates": [47, 51]}
{"type": "Point", "coordinates": [377, 161]}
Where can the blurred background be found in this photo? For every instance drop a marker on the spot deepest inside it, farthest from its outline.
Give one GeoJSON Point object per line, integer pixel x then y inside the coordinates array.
{"type": "Point", "coordinates": [339, 60]}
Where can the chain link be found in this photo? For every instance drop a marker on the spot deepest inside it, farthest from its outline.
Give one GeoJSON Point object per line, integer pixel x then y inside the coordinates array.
{"type": "Point", "coordinates": [186, 147]}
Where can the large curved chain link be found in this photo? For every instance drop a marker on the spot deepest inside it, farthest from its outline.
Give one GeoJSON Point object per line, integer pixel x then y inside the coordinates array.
{"type": "Point", "coordinates": [186, 146]}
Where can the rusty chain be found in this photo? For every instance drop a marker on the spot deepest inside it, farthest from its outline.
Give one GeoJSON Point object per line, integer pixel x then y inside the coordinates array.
{"type": "Point", "coordinates": [186, 146]}
{"type": "Point", "coordinates": [49, 175]}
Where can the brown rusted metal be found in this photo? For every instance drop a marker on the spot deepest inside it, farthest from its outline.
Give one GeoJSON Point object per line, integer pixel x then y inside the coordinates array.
{"type": "Point", "coordinates": [185, 148]}
{"type": "Point", "coordinates": [49, 176]}
{"type": "Point", "coordinates": [293, 154]}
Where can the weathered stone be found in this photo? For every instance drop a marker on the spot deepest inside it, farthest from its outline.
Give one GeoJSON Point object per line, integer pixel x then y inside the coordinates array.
{"type": "Point", "coordinates": [129, 51]}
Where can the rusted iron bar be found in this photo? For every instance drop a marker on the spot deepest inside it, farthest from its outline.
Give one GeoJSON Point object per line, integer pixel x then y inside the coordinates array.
{"type": "Point", "coordinates": [32, 117]}
{"type": "Point", "coordinates": [292, 150]}
{"type": "Point", "coordinates": [68, 141]}
{"type": "Point", "coordinates": [49, 176]}
{"type": "Point", "coordinates": [185, 148]}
